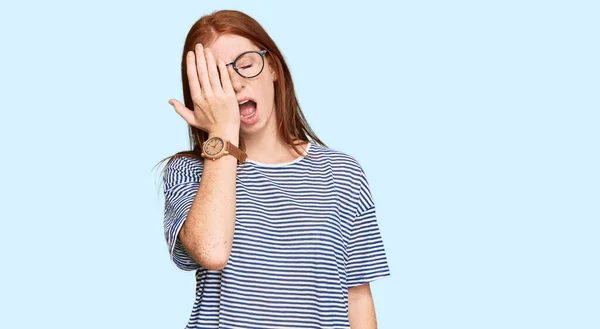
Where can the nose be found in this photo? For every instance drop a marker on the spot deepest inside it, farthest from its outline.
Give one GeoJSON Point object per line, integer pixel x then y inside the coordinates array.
{"type": "Point", "coordinates": [236, 80]}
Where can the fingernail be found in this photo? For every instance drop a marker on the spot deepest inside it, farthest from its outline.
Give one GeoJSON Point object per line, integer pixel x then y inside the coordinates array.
{"type": "Point", "coordinates": [170, 102]}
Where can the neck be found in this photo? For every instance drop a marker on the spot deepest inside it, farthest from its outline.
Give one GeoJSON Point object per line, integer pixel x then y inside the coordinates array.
{"type": "Point", "coordinates": [267, 146]}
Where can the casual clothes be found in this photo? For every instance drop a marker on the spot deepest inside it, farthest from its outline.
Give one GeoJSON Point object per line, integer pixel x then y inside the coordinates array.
{"type": "Point", "coordinates": [305, 232]}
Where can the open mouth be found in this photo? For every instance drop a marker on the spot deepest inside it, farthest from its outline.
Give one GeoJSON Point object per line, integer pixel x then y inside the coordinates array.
{"type": "Point", "coordinates": [247, 109]}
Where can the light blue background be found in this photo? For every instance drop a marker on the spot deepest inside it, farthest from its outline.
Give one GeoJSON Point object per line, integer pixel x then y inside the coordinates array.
{"type": "Point", "coordinates": [476, 122]}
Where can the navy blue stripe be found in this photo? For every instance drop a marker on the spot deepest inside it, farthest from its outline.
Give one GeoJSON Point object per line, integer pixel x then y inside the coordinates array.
{"type": "Point", "coordinates": [306, 231]}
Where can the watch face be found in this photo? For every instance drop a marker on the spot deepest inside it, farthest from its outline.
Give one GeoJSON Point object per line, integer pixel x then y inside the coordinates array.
{"type": "Point", "coordinates": [213, 146]}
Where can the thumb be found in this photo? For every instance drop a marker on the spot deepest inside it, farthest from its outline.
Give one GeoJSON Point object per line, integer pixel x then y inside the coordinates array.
{"type": "Point", "coordinates": [183, 111]}
{"type": "Point", "coordinates": [175, 103]}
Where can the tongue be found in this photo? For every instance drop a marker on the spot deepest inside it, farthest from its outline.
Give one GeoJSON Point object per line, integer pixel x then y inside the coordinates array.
{"type": "Point", "coordinates": [247, 108]}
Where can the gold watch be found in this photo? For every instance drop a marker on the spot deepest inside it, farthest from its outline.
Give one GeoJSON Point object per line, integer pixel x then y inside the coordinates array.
{"type": "Point", "coordinates": [216, 147]}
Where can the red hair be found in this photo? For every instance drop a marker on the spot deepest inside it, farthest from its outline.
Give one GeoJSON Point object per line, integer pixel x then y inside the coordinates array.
{"type": "Point", "coordinates": [292, 124]}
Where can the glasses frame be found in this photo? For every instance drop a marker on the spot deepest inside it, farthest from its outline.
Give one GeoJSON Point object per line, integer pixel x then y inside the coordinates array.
{"type": "Point", "coordinates": [262, 55]}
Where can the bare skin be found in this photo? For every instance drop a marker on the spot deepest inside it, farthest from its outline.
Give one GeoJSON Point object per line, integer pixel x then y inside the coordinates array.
{"type": "Point", "coordinates": [207, 233]}
{"type": "Point", "coordinates": [261, 138]}
{"type": "Point", "coordinates": [361, 308]}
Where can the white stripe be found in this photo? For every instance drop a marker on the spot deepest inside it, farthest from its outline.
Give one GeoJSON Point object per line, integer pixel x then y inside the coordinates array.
{"type": "Point", "coordinates": [305, 232]}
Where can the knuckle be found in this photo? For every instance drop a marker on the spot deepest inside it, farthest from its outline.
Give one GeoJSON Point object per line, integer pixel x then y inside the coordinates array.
{"type": "Point", "coordinates": [197, 100]}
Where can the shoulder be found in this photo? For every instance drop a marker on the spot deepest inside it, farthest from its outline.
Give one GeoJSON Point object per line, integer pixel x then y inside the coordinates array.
{"type": "Point", "coordinates": [182, 169]}
{"type": "Point", "coordinates": [343, 163]}
{"type": "Point", "coordinates": [184, 163]}
{"type": "Point", "coordinates": [345, 167]}
{"type": "Point", "coordinates": [350, 177]}
{"type": "Point", "coordinates": [337, 158]}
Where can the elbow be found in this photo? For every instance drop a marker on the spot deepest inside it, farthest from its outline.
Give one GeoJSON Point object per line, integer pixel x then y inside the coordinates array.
{"type": "Point", "coordinates": [207, 255]}
{"type": "Point", "coordinates": [214, 260]}
{"type": "Point", "coordinates": [213, 265]}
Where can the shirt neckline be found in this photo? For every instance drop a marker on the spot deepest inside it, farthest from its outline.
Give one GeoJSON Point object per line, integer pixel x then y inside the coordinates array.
{"type": "Point", "coordinates": [283, 164]}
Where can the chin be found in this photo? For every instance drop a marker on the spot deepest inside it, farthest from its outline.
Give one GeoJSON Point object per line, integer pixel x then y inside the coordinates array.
{"type": "Point", "coordinates": [263, 118]}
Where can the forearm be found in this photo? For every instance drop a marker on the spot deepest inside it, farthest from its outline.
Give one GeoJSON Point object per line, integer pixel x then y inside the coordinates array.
{"type": "Point", "coordinates": [207, 233]}
{"type": "Point", "coordinates": [361, 308]}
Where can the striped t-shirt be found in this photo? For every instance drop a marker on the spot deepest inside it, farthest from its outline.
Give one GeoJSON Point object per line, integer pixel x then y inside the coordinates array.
{"type": "Point", "coordinates": [305, 232]}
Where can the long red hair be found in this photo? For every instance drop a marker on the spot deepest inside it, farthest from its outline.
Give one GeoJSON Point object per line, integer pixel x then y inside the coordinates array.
{"type": "Point", "coordinates": [292, 124]}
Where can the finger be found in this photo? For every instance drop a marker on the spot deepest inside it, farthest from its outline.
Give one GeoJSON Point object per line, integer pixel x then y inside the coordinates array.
{"type": "Point", "coordinates": [225, 78]}
{"type": "Point", "coordinates": [192, 75]}
{"type": "Point", "coordinates": [201, 68]}
{"type": "Point", "coordinates": [184, 112]}
{"type": "Point", "coordinates": [213, 73]}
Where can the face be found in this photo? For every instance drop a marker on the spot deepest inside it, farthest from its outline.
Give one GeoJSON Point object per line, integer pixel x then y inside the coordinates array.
{"type": "Point", "coordinates": [259, 88]}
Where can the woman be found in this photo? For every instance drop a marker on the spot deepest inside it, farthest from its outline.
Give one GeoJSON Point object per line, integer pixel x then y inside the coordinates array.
{"type": "Point", "coordinates": [281, 231]}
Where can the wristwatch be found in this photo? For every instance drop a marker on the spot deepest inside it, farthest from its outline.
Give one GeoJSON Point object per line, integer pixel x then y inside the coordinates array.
{"type": "Point", "coordinates": [215, 147]}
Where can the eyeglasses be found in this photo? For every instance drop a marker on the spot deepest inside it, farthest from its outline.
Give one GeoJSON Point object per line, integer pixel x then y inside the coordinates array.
{"type": "Point", "coordinates": [250, 63]}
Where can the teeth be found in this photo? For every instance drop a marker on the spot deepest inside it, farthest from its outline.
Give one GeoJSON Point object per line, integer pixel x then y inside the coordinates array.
{"type": "Point", "coordinates": [249, 115]}
{"type": "Point", "coordinates": [246, 101]}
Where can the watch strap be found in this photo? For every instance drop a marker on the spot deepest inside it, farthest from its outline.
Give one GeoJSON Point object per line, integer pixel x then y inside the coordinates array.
{"type": "Point", "coordinates": [236, 152]}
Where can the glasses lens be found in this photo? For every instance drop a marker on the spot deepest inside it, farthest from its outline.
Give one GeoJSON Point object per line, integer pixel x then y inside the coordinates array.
{"type": "Point", "coordinates": [250, 64]}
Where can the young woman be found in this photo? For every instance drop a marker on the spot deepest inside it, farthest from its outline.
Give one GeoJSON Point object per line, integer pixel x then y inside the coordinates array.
{"type": "Point", "coordinates": [281, 231]}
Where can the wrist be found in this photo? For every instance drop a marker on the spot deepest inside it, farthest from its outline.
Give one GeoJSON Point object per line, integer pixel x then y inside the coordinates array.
{"type": "Point", "coordinates": [226, 134]}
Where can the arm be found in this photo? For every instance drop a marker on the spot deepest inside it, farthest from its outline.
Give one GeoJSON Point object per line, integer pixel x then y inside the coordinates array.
{"type": "Point", "coordinates": [207, 233]}
{"type": "Point", "coordinates": [361, 309]}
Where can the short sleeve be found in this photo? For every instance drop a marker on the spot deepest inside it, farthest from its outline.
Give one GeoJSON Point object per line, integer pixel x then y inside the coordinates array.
{"type": "Point", "coordinates": [181, 183]}
{"type": "Point", "coordinates": [367, 260]}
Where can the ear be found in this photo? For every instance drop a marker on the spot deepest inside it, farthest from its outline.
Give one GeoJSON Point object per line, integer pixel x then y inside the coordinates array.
{"type": "Point", "coordinates": [273, 72]}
